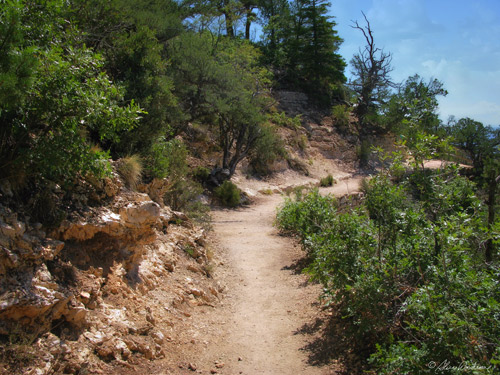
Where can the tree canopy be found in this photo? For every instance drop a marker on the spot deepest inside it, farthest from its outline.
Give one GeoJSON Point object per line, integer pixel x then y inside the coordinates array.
{"type": "Point", "coordinates": [63, 102]}
{"type": "Point", "coordinates": [301, 44]}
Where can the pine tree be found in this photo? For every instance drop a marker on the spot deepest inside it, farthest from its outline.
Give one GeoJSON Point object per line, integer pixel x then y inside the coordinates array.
{"type": "Point", "coordinates": [276, 17]}
{"type": "Point", "coordinates": [302, 44]}
{"type": "Point", "coordinates": [318, 44]}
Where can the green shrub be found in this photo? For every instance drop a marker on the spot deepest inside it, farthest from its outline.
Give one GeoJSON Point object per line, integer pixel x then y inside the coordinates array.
{"type": "Point", "coordinates": [268, 149]}
{"type": "Point", "coordinates": [228, 194]}
{"type": "Point", "coordinates": [300, 141]}
{"type": "Point", "coordinates": [306, 215]}
{"type": "Point", "coordinates": [68, 99]}
{"type": "Point", "coordinates": [406, 272]}
{"type": "Point", "coordinates": [267, 192]}
{"type": "Point", "coordinates": [185, 195]}
{"type": "Point", "coordinates": [281, 119]}
{"type": "Point", "coordinates": [201, 174]}
{"type": "Point", "coordinates": [166, 158]}
{"type": "Point", "coordinates": [364, 186]}
{"type": "Point", "coordinates": [341, 114]}
{"type": "Point", "coordinates": [327, 181]}
{"type": "Point", "coordinates": [189, 249]}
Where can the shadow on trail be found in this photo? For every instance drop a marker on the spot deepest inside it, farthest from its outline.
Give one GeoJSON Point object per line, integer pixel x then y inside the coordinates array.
{"type": "Point", "coordinates": [298, 266]}
{"type": "Point", "coordinates": [330, 342]}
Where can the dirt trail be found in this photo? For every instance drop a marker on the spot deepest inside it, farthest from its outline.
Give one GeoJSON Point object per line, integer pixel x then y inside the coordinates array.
{"type": "Point", "coordinates": [269, 302]}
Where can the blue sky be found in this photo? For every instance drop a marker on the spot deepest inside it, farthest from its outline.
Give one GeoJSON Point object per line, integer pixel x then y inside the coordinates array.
{"type": "Point", "coordinates": [457, 42]}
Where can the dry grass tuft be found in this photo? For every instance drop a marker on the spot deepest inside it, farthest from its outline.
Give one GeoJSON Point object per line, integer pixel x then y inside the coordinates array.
{"type": "Point", "coordinates": [130, 169]}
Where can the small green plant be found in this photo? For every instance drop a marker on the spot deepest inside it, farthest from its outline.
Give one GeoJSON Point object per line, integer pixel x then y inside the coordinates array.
{"type": "Point", "coordinates": [187, 195]}
{"type": "Point", "coordinates": [130, 169]}
{"type": "Point", "coordinates": [296, 191]}
{"type": "Point", "coordinates": [166, 159]}
{"type": "Point", "coordinates": [267, 192]}
{"type": "Point", "coordinates": [364, 185]}
{"type": "Point", "coordinates": [327, 181]}
{"type": "Point", "coordinates": [301, 141]}
{"type": "Point", "coordinates": [281, 119]}
{"type": "Point", "coordinates": [189, 250]}
{"type": "Point", "coordinates": [228, 194]}
{"type": "Point", "coordinates": [209, 269]}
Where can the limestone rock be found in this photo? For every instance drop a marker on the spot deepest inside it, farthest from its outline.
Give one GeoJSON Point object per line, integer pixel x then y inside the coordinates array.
{"type": "Point", "coordinates": [156, 189]}
{"type": "Point", "coordinates": [96, 338]}
{"type": "Point", "coordinates": [33, 295]}
{"type": "Point", "coordinates": [95, 260]}
{"type": "Point", "coordinates": [140, 214]}
{"type": "Point", "coordinates": [122, 348]}
{"type": "Point", "coordinates": [158, 337]}
{"type": "Point", "coordinates": [140, 344]}
{"type": "Point", "coordinates": [106, 350]}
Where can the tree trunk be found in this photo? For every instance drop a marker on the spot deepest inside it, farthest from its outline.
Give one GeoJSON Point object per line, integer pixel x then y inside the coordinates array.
{"type": "Point", "coordinates": [229, 25]}
{"type": "Point", "coordinates": [247, 28]}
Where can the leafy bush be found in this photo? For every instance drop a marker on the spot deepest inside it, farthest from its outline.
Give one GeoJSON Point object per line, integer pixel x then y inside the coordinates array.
{"type": "Point", "coordinates": [302, 142]}
{"type": "Point", "coordinates": [58, 100]}
{"type": "Point", "coordinates": [406, 272]}
{"type": "Point", "coordinates": [340, 114]}
{"type": "Point", "coordinates": [166, 158]}
{"type": "Point", "coordinates": [228, 194]}
{"type": "Point", "coordinates": [306, 215]}
{"type": "Point", "coordinates": [185, 195]}
{"type": "Point", "coordinates": [268, 149]}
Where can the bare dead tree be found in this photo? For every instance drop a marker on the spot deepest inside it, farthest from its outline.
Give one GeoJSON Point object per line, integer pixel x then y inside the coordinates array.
{"type": "Point", "coordinates": [371, 68]}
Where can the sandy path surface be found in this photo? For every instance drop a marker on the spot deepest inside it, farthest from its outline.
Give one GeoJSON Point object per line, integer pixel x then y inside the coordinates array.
{"type": "Point", "coordinates": [269, 303]}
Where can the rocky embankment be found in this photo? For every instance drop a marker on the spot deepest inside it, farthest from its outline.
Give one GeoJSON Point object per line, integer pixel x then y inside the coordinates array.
{"type": "Point", "coordinates": [107, 286]}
